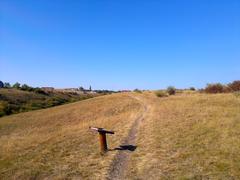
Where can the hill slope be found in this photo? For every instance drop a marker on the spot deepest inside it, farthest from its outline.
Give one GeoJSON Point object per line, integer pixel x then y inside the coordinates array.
{"type": "Point", "coordinates": [189, 136]}
{"type": "Point", "coordinates": [14, 100]}
{"type": "Point", "coordinates": [183, 136]}
{"type": "Point", "coordinates": [56, 142]}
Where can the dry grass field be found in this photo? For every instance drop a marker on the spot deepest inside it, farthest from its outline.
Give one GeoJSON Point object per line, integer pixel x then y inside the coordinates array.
{"type": "Point", "coordinates": [189, 136]}
{"type": "Point", "coordinates": [55, 143]}
{"type": "Point", "coordinates": [185, 136]}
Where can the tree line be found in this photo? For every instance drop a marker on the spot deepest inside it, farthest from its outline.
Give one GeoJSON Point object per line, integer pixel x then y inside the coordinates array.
{"type": "Point", "coordinates": [23, 87]}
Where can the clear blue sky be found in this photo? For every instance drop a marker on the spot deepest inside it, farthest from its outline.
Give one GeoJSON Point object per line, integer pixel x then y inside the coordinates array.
{"type": "Point", "coordinates": [123, 44]}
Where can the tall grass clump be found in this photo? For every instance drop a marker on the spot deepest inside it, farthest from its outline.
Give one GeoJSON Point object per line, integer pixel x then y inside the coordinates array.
{"type": "Point", "coordinates": [171, 90]}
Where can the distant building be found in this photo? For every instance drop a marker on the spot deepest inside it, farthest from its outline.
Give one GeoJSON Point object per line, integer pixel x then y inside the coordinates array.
{"type": "Point", "coordinates": [1, 84]}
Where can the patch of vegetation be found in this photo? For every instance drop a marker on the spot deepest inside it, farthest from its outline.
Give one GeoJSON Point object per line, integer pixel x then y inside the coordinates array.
{"type": "Point", "coordinates": [13, 100]}
{"type": "Point", "coordinates": [214, 88]}
{"type": "Point", "coordinates": [17, 85]}
{"type": "Point", "coordinates": [4, 108]}
{"type": "Point", "coordinates": [23, 87]}
{"type": "Point", "coordinates": [104, 92]}
{"type": "Point", "coordinates": [161, 94]}
{"type": "Point", "coordinates": [222, 88]}
{"type": "Point", "coordinates": [171, 90]}
{"type": "Point", "coordinates": [235, 86]}
{"type": "Point", "coordinates": [137, 91]}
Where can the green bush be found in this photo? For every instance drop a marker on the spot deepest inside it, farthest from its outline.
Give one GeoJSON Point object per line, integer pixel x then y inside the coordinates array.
{"type": "Point", "coordinates": [1, 84]}
{"type": "Point", "coordinates": [171, 90]}
{"type": "Point", "coordinates": [4, 108]}
{"type": "Point", "coordinates": [17, 85]}
{"type": "Point", "coordinates": [161, 94]}
{"type": "Point", "coordinates": [137, 91]}
{"type": "Point", "coordinates": [7, 85]}
{"type": "Point", "coordinates": [25, 87]}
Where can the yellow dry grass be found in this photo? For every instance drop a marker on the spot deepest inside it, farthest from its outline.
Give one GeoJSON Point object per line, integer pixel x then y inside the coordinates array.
{"type": "Point", "coordinates": [186, 136]}
{"type": "Point", "coordinates": [189, 136]}
{"type": "Point", "coordinates": [55, 143]}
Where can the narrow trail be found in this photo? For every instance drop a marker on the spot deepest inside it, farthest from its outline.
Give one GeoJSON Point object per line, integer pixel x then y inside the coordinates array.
{"type": "Point", "coordinates": [120, 162]}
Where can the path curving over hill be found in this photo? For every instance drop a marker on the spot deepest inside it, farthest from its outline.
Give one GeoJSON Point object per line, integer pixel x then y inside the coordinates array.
{"type": "Point", "coordinates": [119, 164]}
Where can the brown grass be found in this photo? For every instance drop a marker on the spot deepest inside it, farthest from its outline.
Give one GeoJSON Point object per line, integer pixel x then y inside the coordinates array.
{"type": "Point", "coordinates": [189, 137]}
{"type": "Point", "coordinates": [186, 136]}
{"type": "Point", "coordinates": [55, 143]}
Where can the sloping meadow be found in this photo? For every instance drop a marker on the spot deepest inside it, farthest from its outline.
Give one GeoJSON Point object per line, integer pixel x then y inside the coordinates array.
{"type": "Point", "coordinates": [56, 142]}
{"type": "Point", "coordinates": [189, 136]}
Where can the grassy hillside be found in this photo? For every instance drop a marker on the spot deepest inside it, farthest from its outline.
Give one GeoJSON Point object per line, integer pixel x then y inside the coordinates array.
{"type": "Point", "coordinates": [14, 101]}
{"type": "Point", "coordinates": [185, 136]}
{"type": "Point", "coordinates": [189, 136]}
{"type": "Point", "coordinates": [56, 142]}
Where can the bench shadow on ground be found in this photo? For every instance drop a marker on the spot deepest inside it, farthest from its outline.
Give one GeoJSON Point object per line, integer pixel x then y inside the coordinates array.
{"type": "Point", "coordinates": [125, 148]}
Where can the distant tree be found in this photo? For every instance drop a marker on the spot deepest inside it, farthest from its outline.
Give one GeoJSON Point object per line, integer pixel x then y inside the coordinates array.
{"type": "Point", "coordinates": [25, 87]}
{"type": "Point", "coordinates": [81, 88]}
{"type": "Point", "coordinates": [90, 88]}
{"type": "Point", "coordinates": [192, 88]}
{"type": "Point", "coordinates": [137, 91]}
{"type": "Point", "coordinates": [215, 88]}
{"type": "Point", "coordinates": [1, 84]}
{"type": "Point", "coordinates": [17, 85]}
{"type": "Point", "coordinates": [171, 90]}
{"type": "Point", "coordinates": [235, 85]}
{"type": "Point", "coordinates": [7, 85]}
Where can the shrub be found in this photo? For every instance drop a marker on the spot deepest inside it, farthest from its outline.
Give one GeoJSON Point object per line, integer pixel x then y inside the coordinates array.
{"type": "Point", "coordinates": [4, 108]}
{"type": "Point", "coordinates": [192, 88]}
{"type": "Point", "coordinates": [17, 85]}
{"type": "Point", "coordinates": [226, 89]}
{"type": "Point", "coordinates": [215, 88]}
{"type": "Point", "coordinates": [1, 84]}
{"type": "Point", "coordinates": [7, 85]}
{"type": "Point", "coordinates": [171, 90]}
{"type": "Point", "coordinates": [234, 86]}
{"type": "Point", "coordinates": [137, 91]}
{"type": "Point", "coordinates": [161, 94]}
{"type": "Point", "coordinates": [25, 87]}
{"type": "Point", "coordinates": [40, 91]}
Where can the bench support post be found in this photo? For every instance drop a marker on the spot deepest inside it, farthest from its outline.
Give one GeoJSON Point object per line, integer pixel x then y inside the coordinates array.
{"type": "Point", "coordinates": [102, 138]}
{"type": "Point", "coordinates": [103, 142]}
